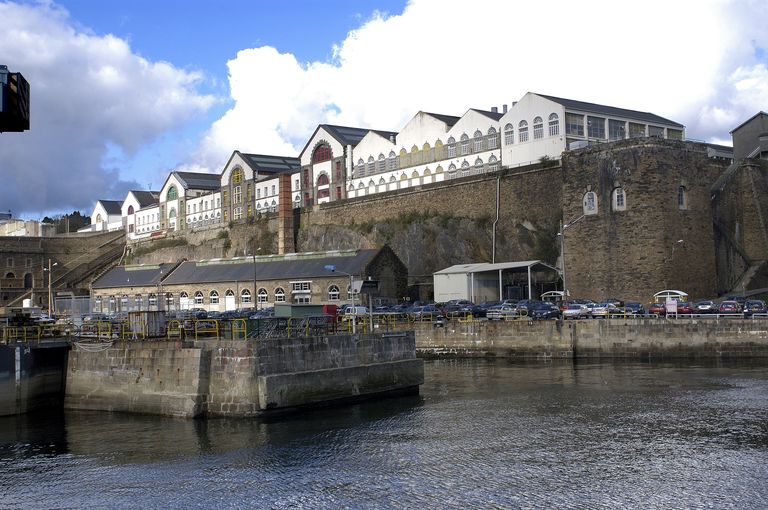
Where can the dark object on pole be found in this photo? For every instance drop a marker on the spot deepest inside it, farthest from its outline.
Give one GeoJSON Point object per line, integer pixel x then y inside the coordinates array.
{"type": "Point", "coordinates": [14, 101]}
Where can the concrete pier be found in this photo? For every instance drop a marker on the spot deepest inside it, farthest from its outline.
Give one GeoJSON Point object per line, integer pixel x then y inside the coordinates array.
{"type": "Point", "coordinates": [240, 378]}
{"type": "Point", "coordinates": [32, 376]}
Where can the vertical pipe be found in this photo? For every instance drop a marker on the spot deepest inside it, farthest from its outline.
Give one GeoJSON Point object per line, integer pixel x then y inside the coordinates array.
{"type": "Point", "coordinates": [495, 222]}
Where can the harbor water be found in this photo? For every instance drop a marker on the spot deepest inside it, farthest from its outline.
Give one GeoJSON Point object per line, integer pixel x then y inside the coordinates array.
{"type": "Point", "coordinates": [482, 434]}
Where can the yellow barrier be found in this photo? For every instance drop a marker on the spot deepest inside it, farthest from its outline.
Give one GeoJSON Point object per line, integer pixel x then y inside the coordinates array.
{"type": "Point", "coordinates": [206, 326]}
{"type": "Point", "coordinates": [239, 326]}
{"type": "Point", "coordinates": [174, 329]}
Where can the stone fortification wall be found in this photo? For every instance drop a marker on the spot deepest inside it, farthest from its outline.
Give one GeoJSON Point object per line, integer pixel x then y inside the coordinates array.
{"type": "Point", "coordinates": [240, 378]}
{"type": "Point", "coordinates": [655, 243]}
{"type": "Point", "coordinates": [634, 339]}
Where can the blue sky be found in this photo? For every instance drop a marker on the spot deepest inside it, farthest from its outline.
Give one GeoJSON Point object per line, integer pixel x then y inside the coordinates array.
{"type": "Point", "coordinates": [125, 91]}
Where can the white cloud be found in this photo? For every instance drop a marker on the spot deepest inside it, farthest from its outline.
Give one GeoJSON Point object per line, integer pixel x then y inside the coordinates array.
{"type": "Point", "coordinates": [87, 92]}
{"type": "Point", "coordinates": [697, 62]}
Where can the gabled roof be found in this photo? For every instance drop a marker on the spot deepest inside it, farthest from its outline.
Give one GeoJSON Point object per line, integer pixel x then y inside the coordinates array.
{"type": "Point", "coordinates": [199, 180]}
{"type": "Point", "coordinates": [144, 275]}
{"type": "Point", "coordinates": [272, 267]}
{"type": "Point", "coordinates": [346, 135]}
{"type": "Point", "coordinates": [491, 115]}
{"type": "Point", "coordinates": [145, 198]}
{"type": "Point", "coordinates": [571, 104]}
{"type": "Point", "coordinates": [112, 206]}
{"type": "Point", "coordinates": [758, 114]}
{"type": "Point", "coordinates": [449, 120]}
{"type": "Point", "coordinates": [265, 164]}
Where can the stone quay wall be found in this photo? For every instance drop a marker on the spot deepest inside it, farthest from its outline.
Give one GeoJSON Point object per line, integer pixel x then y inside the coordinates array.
{"type": "Point", "coordinates": [240, 378]}
{"type": "Point", "coordinates": [31, 376]}
{"type": "Point", "coordinates": [635, 339]}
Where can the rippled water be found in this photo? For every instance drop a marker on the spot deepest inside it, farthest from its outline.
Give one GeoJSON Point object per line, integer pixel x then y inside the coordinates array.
{"type": "Point", "coordinates": [482, 434]}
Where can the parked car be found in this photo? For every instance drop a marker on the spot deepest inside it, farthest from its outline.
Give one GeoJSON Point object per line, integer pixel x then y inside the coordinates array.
{"type": "Point", "coordinates": [705, 307]}
{"type": "Point", "coordinates": [753, 306]}
{"type": "Point", "coordinates": [576, 311]}
{"type": "Point", "coordinates": [729, 307]}
{"type": "Point", "coordinates": [634, 308]}
{"type": "Point", "coordinates": [604, 310]}
{"type": "Point", "coordinates": [544, 311]}
{"type": "Point", "coordinates": [657, 309]}
{"type": "Point", "coordinates": [684, 307]}
{"type": "Point", "coordinates": [425, 313]}
{"type": "Point", "coordinates": [501, 312]}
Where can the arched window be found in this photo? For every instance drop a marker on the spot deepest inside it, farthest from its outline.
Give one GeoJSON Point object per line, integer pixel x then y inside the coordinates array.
{"type": "Point", "coordinates": [522, 131]}
{"type": "Point", "coordinates": [492, 138]}
{"type": "Point", "coordinates": [10, 275]}
{"type": "Point", "coordinates": [137, 299]}
{"type": "Point", "coordinates": [479, 165]}
{"type": "Point", "coordinates": [464, 144]}
{"type": "Point", "coordinates": [168, 300]}
{"type": "Point", "coordinates": [619, 199]}
{"type": "Point", "coordinates": [392, 160]}
{"type": "Point", "coordinates": [237, 176]}
{"type": "Point", "coordinates": [590, 203]}
{"type": "Point", "coordinates": [392, 179]}
{"type": "Point", "coordinates": [403, 177]}
{"type": "Point", "coordinates": [124, 301]}
{"type": "Point", "coordinates": [213, 297]}
{"type": "Point", "coordinates": [478, 139]}
{"type": "Point", "coordinates": [152, 300]}
{"type": "Point", "coordinates": [279, 295]}
{"type": "Point", "coordinates": [351, 187]}
{"type": "Point", "coordinates": [439, 169]}
{"type": "Point", "coordinates": [493, 164]}
{"type": "Point", "coordinates": [130, 210]}
{"type": "Point", "coordinates": [538, 128]}
{"type": "Point", "coordinates": [172, 212]}
{"type": "Point", "coordinates": [415, 175]}
{"type": "Point", "coordinates": [509, 134]}
{"type": "Point", "coordinates": [333, 293]}
{"type": "Point", "coordinates": [360, 168]}
{"type": "Point", "coordinates": [451, 147]}
{"type": "Point", "coordinates": [682, 198]}
{"type": "Point", "coordinates": [451, 168]}
{"type": "Point", "coordinates": [262, 295]}
{"type": "Point", "coordinates": [382, 164]}
{"type": "Point", "coordinates": [371, 165]}
{"type": "Point", "coordinates": [322, 153]}
{"type": "Point", "coordinates": [465, 166]}
{"type": "Point", "coordinates": [229, 293]}
{"type": "Point", "coordinates": [198, 298]}
{"type": "Point", "coordinates": [381, 181]}
{"type": "Point", "coordinates": [554, 124]}
{"type": "Point", "coordinates": [360, 185]}
{"type": "Point", "coordinates": [172, 193]}
{"type": "Point", "coordinates": [237, 194]}
{"type": "Point", "coordinates": [98, 218]}
{"type": "Point", "coordinates": [245, 296]}
{"type": "Point", "coordinates": [322, 179]}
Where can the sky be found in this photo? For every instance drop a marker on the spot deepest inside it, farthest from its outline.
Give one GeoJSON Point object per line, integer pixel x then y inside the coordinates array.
{"type": "Point", "coordinates": [125, 91]}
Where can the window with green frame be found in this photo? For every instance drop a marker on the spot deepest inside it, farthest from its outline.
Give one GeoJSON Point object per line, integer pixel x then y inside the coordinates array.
{"type": "Point", "coordinates": [172, 193]}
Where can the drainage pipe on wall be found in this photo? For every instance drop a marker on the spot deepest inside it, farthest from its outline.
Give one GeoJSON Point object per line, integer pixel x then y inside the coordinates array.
{"type": "Point", "coordinates": [496, 221]}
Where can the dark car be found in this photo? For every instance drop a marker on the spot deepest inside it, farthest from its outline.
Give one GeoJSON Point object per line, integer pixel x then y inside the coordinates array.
{"type": "Point", "coordinates": [754, 306]}
{"type": "Point", "coordinates": [544, 311]}
{"type": "Point", "coordinates": [634, 308]}
{"type": "Point", "coordinates": [729, 307]}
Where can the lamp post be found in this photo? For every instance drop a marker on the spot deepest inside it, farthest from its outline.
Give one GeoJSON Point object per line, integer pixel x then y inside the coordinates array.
{"type": "Point", "coordinates": [255, 293]}
{"type": "Point", "coordinates": [332, 268]}
{"type": "Point", "coordinates": [561, 234]}
{"type": "Point", "coordinates": [51, 306]}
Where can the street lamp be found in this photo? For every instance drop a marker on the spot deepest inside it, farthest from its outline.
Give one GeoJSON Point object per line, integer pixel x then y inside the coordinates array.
{"type": "Point", "coordinates": [561, 234]}
{"type": "Point", "coordinates": [332, 268]}
{"type": "Point", "coordinates": [255, 293]}
{"type": "Point", "coordinates": [51, 306]}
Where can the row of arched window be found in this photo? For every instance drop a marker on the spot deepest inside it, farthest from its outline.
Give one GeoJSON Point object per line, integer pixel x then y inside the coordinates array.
{"type": "Point", "coordinates": [619, 200]}
{"type": "Point", "coordinates": [553, 129]}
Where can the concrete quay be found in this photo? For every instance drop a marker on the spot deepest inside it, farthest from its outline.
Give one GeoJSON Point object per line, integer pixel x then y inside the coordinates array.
{"type": "Point", "coordinates": [625, 339]}
{"type": "Point", "coordinates": [240, 378]}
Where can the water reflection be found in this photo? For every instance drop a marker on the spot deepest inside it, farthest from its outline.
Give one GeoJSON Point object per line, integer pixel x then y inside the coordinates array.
{"type": "Point", "coordinates": [482, 434]}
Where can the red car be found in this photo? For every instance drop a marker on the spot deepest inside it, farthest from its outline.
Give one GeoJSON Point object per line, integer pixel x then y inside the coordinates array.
{"type": "Point", "coordinates": [657, 309]}
{"type": "Point", "coordinates": [729, 307]}
{"type": "Point", "coordinates": [684, 307]}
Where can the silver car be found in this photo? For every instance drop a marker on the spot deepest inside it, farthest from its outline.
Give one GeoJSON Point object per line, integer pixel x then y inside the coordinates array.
{"type": "Point", "coordinates": [576, 311]}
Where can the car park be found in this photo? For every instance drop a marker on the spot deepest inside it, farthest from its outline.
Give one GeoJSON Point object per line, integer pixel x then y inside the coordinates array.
{"type": "Point", "coordinates": [634, 308]}
{"type": "Point", "coordinates": [501, 312]}
{"type": "Point", "coordinates": [603, 310]}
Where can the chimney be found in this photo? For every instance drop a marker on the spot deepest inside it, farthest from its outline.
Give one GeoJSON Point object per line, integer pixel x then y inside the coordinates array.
{"type": "Point", "coordinates": [494, 109]}
{"type": "Point", "coordinates": [504, 108]}
{"type": "Point", "coordinates": [285, 243]}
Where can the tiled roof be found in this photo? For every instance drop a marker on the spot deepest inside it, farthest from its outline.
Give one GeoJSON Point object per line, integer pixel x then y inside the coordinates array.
{"type": "Point", "coordinates": [272, 267]}
{"type": "Point", "coordinates": [271, 164]}
{"type": "Point", "coordinates": [611, 111]}
{"type": "Point", "coordinates": [146, 198]}
{"type": "Point", "coordinates": [198, 180]}
{"type": "Point", "coordinates": [144, 275]}
{"type": "Point", "coordinates": [112, 206]}
{"type": "Point", "coordinates": [346, 135]}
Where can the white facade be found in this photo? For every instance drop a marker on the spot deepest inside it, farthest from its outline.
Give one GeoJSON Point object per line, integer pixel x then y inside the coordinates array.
{"type": "Point", "coordinates": [147, 222]}
{"type": "Point", "coordinates": [203, 210]}
{"type": "Point", "coordinates": [103, 221]}
{"type": "Point", "coordinates": [172, 190]}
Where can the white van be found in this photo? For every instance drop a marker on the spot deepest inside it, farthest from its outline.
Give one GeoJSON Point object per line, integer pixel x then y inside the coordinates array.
{"type": "Point", "coordinates": [356, 311]}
